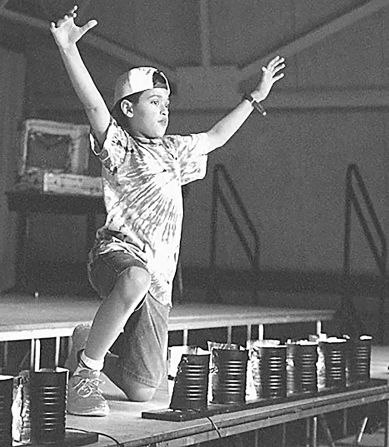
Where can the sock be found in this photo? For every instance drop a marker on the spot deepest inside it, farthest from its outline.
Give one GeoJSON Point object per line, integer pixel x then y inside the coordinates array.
{"type": "Point", "coordinates": [86, 362]}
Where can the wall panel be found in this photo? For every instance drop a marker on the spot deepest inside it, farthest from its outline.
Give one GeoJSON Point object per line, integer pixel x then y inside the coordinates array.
{"type": "Point", "coordinates": [290, 171]}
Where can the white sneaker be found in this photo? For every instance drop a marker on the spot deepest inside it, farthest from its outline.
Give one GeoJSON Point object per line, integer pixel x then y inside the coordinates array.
{"type": "Point", "coordinates": [84, 395]}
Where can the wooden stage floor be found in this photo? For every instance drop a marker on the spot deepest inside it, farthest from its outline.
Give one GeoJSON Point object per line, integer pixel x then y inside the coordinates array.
{"type": "Point", "coordinates": [49, 316]}
{"type": "Point", "coordinates": [126, 424]}
{"type": "Point", "coordinates": [25, 317]}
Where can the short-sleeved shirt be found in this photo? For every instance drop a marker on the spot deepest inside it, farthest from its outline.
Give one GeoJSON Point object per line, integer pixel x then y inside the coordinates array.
{"type": "Point", "coordinates": [142, 184]}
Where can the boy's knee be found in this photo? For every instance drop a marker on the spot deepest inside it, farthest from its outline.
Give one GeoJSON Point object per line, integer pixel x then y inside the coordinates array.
{"type": "Point", "coordinates": [134, 390]}
{"type": "Point", "coordinates": [138, 393]}
{"type": "Point", "coordinates": [134, 283]}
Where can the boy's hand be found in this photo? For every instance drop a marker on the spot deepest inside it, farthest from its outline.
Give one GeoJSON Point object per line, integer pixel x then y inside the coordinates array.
{"type": "Point", "coordinates": [66, 33]}
{"type": "Point", "coordinates": [270, 76]}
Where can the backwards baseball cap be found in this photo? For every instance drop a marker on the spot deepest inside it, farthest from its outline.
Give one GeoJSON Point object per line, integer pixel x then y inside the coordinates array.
{"type": "Point", "coordinates": [138, 80]}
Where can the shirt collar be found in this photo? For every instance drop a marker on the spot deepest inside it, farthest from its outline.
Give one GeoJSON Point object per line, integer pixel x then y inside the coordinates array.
{"type": "Point", "coordinates": [145, 140]}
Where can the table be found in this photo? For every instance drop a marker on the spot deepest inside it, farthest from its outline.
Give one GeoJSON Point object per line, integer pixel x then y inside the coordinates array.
{"type": "Point", "coordinates": [26, 202]}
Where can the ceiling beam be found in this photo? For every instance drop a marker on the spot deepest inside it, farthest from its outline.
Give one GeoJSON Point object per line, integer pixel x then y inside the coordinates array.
{"type": "Point", "coordinates": [322, 32]}
{"type": "Point", "coordinates": [315, 36]}
{"type": "Point", "coordinates": [368, 98]}
{"type": "Point", "coordinates": [112, 49]}
{"type": "Point", "coordinates": [125, 55]}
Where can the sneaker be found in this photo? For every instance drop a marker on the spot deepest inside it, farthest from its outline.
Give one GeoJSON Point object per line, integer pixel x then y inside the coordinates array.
{"type": "Point", "coordinates": [79, 338]}
{"type": "Point", "coordinates": [84, 395]}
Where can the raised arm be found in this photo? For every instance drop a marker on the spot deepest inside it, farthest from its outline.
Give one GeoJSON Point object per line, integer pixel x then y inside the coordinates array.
{"type": "Point", "coordinates": [66, 35]}
{"type": "Point", "coordinates": [224, 129]}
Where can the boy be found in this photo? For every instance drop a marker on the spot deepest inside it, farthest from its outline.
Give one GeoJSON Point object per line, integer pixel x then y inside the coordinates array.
{"type": "Point", "coordinates": [134, 258]}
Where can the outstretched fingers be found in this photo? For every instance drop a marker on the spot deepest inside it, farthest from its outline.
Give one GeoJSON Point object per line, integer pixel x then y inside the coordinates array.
{"type": "Point", "coordinates": [275, 61]}
{"type": "Point", "coordinates": [278, 77]}
{"type": "Point", "coordinates": [66, 31]}
{"type": "Point", "coordinates": [65, 19]}
{"type": "Point", "coordinates": [277, 69]}
{"type": "Point", "coordinates": [275, 66]}
{"type": "Point", "coordinates": [89, 25]}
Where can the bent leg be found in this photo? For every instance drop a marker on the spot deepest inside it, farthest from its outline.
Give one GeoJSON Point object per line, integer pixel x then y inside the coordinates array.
{"type": "Point", "coordinates": [129, 291]}
{"type": "Point", "coordinates": [140, 365]}
{"type": "Point", "coordinates": [133, 389]}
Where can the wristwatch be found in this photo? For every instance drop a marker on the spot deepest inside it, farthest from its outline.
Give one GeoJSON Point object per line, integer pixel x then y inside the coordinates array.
{"type": "Point", "coordinates": [257, 105]}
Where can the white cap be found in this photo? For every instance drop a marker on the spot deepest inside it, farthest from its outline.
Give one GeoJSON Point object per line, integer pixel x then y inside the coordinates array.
{"type": "Point", "coordinates": [138, 80]}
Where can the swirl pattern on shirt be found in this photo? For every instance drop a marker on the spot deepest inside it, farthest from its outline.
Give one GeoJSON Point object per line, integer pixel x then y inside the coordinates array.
{"type": "Point", "coordinates": [142, 181]}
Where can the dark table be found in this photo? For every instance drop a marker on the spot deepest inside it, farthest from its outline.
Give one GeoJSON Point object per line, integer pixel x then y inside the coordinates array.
{"type": "Point", "coordinates": [27, 202]}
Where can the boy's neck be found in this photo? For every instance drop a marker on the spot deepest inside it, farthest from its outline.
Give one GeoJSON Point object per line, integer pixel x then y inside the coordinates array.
{"type": "Point", "coordinates": [144, 139]}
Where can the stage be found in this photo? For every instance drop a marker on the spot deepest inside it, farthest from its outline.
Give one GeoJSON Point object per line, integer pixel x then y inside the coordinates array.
{"type": "Point", "coordinates": [125, 423]}
{"type": "Point", "coordinates": [35, 319]}
{"type": "Point", "coordinates": [54, 317]}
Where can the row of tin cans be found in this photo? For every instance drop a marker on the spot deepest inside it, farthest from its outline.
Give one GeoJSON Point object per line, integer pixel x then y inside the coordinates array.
{"type": "Point", "coordinates": [269, 369]}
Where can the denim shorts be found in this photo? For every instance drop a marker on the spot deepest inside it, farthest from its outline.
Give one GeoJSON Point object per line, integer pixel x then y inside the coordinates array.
{"type": "Point", "coordinates": [142, 346]}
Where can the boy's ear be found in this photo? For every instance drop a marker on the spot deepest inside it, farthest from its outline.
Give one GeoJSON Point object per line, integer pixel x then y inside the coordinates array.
{"type": "Point", "coordinates": [127, 108]}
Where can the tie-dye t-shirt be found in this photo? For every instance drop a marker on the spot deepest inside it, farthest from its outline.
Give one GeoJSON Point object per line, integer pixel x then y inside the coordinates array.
{"type": "Point", "coordinates": [142, 180]}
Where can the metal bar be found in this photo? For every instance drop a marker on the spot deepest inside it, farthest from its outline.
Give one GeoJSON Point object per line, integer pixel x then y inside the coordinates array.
{"type": "Point", "coordinates": [248, 336]}
{"type": "Point", "coordinates": [261, 332]}
{"type": "Point", "coordinates": [283, 435]}
{"type": "Point", "coordinates": [185, 335]}
{"type": "Point", "coordinates": [236, 227]}
{"type": "Point", "coordinates": [37, 355]}
{"type": "Point", "coordinates": [238, 200]}
{"type": "Point", "coordinates": [256, 438]}
{"type": "Point", "coordinates": [347, 235]}
{"type": "Point", "coordinates": [379, 259]}
{"type": "Point", "coordinates": [319, 327]}
{"type": "Point", "coordinates": [361, 431]}
{"type": "Point", "coordinates": [314, 431]}
{"type": "Point", "coordinates": [32, 353]}
{"type": "Point", "coordinates": [229, 334]}
{"type": "Point", "coordinates": [307, 432]}
{"type": "Point", "coordinates": [213, 237]}
{"type": "Point", "coordinates": [345, 421]}
{"type": "Point", "coordinates": [218, 195]}
{"type": "Point", "coordinates": [57, 350]}
{"type": "Point", "coordinates": [380, 256]}
{"type": "Point", "coordinates": [370, 208]}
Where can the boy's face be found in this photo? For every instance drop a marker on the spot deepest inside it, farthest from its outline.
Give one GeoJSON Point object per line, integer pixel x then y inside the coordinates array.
{"type": "Point", "coordinates": [150, 116]}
